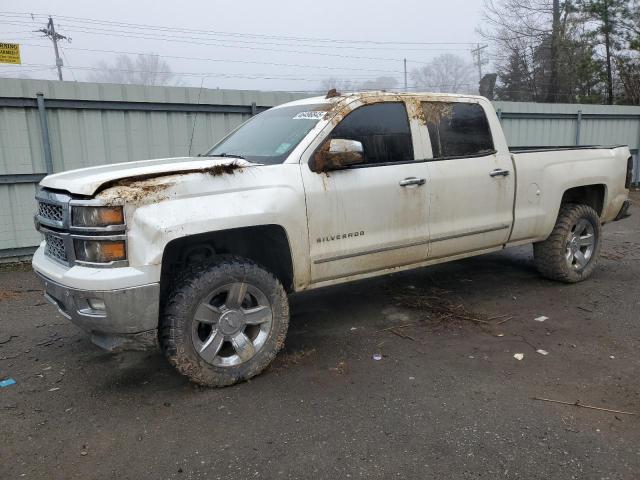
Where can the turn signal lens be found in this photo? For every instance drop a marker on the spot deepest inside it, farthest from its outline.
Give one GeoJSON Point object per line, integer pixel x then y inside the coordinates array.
{"type": "Point", "coordinates": [97, 216]}
{"type": "Point", "coordinates": [100, 251]}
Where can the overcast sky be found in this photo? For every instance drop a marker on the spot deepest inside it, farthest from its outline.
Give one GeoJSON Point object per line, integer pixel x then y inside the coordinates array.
{"type": "Point", "coordinates": [236, 24]}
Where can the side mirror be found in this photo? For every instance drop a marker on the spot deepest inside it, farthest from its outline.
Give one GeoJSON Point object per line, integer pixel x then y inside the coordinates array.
{"type": "Point", "coordinates": [335, 154]}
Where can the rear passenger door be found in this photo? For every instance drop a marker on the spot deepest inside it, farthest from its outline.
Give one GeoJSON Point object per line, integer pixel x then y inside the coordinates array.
{"type": "Point", "coordinates": [472, 185]}
{"type": "Point", "coordinates": [371, 216]}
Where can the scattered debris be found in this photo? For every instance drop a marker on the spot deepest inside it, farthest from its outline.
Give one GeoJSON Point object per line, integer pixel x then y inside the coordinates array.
{"type": "Point", "coordinates": [584, 309]}
{"type": "Point", "coordinates": [541, 318]}
{"type": "Point", "coordinates": [499, 334]}
{"type": "Point", "coordinates": [332, 93]}
{"type": "Point", "coordinates": [7, 382]}
{"type": "Point", "coordinates": [412, 378]}
{"type": "Point", "coordinates": [54, 389]}
{"type": "Point", "coordinates": [341, 368]}
{"type": "Point", "coordinates": [518, 356]}
{"type": "Point", "coordinates": [400, 334]}
{"type": "Point", "coordinates": [504, 321]}
{"type": "Point", "coordinates": [295, 358]}
{"type": "Point", "coordinates": [7, 295]}
{"type": "Point", "coordinates": [612, 357]}
{"type": "Point", "coordinates": [376, 357]}
{"type": "Point", "coordinates": [397, 326]}
{"type": "Point", "coordinates": [354, 328]}
{"type": "Point", "coordinates": [542, 352]}
{"type": "Point", "coordinates": [582, 405]}
{"type": "Point", "coordinates": [435, 307]}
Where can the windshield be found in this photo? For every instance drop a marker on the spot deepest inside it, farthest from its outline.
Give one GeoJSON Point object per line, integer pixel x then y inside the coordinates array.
{"type": "Point", "coordinates": [270, 136]}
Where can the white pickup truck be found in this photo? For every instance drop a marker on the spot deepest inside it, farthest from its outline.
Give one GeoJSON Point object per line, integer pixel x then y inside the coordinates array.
{"type": "Point", "coordinates": [199, 253]}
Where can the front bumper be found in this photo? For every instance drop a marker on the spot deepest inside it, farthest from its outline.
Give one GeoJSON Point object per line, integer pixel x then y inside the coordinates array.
{"type": "Point", "coordinates": [127, 319]}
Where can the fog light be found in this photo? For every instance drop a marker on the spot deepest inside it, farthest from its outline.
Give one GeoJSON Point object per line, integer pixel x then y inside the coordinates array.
{"type": "Point", "coordinates": [100, 251]}
{"type": "Point", "coordinates": [96, 304]}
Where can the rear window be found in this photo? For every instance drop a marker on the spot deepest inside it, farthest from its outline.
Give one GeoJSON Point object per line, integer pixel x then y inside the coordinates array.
{"type": "Point", "coordinates": [457, 129]}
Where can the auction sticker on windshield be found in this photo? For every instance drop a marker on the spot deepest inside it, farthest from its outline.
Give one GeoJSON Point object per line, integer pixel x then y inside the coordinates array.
{"type": "Point", "coordinates": [315, 115]}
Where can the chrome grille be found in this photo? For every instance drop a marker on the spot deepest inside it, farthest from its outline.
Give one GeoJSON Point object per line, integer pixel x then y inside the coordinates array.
{"type": "Point", "coordinates": [50, 211]}
{"type": "Point", "coordinates": [55, 247]}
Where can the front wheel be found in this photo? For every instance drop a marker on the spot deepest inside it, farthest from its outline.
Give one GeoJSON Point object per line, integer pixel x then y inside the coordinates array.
{"type": "Point", "coordinates": [224, 321]}
{"type": "Point", "coordinates": [571, 252]}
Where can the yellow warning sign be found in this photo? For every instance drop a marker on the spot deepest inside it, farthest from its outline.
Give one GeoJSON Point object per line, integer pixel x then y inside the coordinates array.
{"type": "Point", "coordinates": [9, 53]}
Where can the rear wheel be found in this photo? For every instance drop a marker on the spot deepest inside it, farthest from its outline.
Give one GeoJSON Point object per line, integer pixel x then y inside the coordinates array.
{"type": "Point", "coordinates": [224, 321]}
{"type": "Point", "coordinates": [571, 252]}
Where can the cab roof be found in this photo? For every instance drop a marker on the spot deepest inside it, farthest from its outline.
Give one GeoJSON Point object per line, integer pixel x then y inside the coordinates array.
{"type": "Point", "coordinates": [372, 94]}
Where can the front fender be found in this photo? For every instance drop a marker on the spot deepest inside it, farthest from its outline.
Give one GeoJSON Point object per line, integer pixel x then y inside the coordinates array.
{"type": "Point", "coordinates": [200, 204]}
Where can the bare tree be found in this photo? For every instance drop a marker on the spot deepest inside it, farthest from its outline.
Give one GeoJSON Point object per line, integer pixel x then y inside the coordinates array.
{"type": "Point", "coordinates": [340, 84]}
{"type": "Point", "coordinates": [140, 70]}
{"type": "Point", "coordinates": [380, 83]}
{"type": "Point", "coordinates": [347, 85]}
{"type": "Point", "coordinates": [516, 30]}
{"type": "Point", "coordinates": [446, 73]}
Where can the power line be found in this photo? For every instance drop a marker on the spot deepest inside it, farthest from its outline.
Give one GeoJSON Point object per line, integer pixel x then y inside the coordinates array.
{"type": "Point", "coordinates": [137, 26]}
{"type": "Point", "coordinates": [190, 74]}
{"type": "Point", "coordinates": [177, 40]}
{"type": "Point", "coordinates": [204, 59]}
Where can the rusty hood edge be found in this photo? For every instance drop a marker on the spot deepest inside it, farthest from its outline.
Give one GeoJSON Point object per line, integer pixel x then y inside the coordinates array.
{"type": "Point", "coordinates": [91, 180]}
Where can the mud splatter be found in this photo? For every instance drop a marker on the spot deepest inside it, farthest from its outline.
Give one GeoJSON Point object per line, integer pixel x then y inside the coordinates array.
{"type": "Point", "coordinates": [150, 188]}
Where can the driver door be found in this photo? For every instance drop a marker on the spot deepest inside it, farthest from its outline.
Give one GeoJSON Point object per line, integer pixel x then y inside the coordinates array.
{"type": "Point", "coordinates": [372, 216]}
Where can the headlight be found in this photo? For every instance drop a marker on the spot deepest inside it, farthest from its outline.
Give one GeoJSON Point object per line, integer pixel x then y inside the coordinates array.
{"type": "Point", "coordinates": [97, 216]}
{"type": "Point", "coordinates": [100, 251]}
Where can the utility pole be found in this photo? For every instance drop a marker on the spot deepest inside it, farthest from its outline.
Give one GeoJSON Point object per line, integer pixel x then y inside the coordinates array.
{"type": "Point", "coordinates": [50, 32]}
{"type": "Point", "coordinates": [477, 53]}
{"type": "Point", "coordinates": [554, 83]}
{"type": "Point", "coordinates": [405, 75]}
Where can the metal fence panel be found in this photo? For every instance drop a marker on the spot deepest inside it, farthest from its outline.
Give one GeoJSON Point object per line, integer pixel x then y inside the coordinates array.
{"type": "Point", "coordinates": [93, 124]}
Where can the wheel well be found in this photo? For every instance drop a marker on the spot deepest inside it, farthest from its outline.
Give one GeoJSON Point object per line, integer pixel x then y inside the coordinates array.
{"type": "Point", "coordinates": [266, 245]}
{"type": "Point", "coordinates": [592, 195]}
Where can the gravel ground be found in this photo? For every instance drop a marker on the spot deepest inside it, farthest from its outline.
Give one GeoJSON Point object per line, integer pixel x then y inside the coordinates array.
{"type": "Point", "coordinates": [447, 399]}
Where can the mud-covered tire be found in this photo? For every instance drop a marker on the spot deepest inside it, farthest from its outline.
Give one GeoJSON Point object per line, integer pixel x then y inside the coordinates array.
{"type": "Point", "coordinates": [552, 255]}
{"type": "Point", "coordinates": [187, 295]}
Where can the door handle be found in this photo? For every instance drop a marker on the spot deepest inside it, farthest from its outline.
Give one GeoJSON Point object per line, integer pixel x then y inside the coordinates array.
{"type": "Point", "coordinates": [412, 181]}
{"type": "Point", "coordinates": [499, 172]}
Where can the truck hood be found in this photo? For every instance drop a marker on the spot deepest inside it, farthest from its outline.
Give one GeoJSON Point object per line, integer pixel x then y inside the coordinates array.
{"type": "Point", "coordinates": [87, 181]}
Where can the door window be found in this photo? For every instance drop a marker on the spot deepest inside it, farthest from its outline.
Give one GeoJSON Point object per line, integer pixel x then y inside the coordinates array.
{"type": "Point", "coordinates": [457, 129]}
{"type": "Point", "coordinates": [383, 130]}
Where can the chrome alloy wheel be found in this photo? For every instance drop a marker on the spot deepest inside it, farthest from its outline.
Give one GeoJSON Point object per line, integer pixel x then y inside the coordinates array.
{"type": "Point", "coordinates": [580, 245]}
{"type": "Point", "coordinates": [231, 324]}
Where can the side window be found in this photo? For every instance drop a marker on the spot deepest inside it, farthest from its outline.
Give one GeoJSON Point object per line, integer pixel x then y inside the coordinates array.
{"type": "Point", "coordinates": [383, 130]}
{"type": "Point", "coordinates": [457, 129]}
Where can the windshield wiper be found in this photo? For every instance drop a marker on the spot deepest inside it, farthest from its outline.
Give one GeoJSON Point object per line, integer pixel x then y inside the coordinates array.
{"type": "Point", "coordinates": [229, 155]}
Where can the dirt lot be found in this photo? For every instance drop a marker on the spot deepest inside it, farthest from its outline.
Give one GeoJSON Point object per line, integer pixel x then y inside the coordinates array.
{"type": "Point", "coordinates": [447, 400]}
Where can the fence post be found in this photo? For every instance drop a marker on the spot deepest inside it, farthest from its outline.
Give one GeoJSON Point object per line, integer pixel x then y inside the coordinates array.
{"type": "Point", "coordinates": [254, 108]}
{"type": "Point", "coordinates": [44, 128]}
{"type": "Point", "coordinates": [578, 125]}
